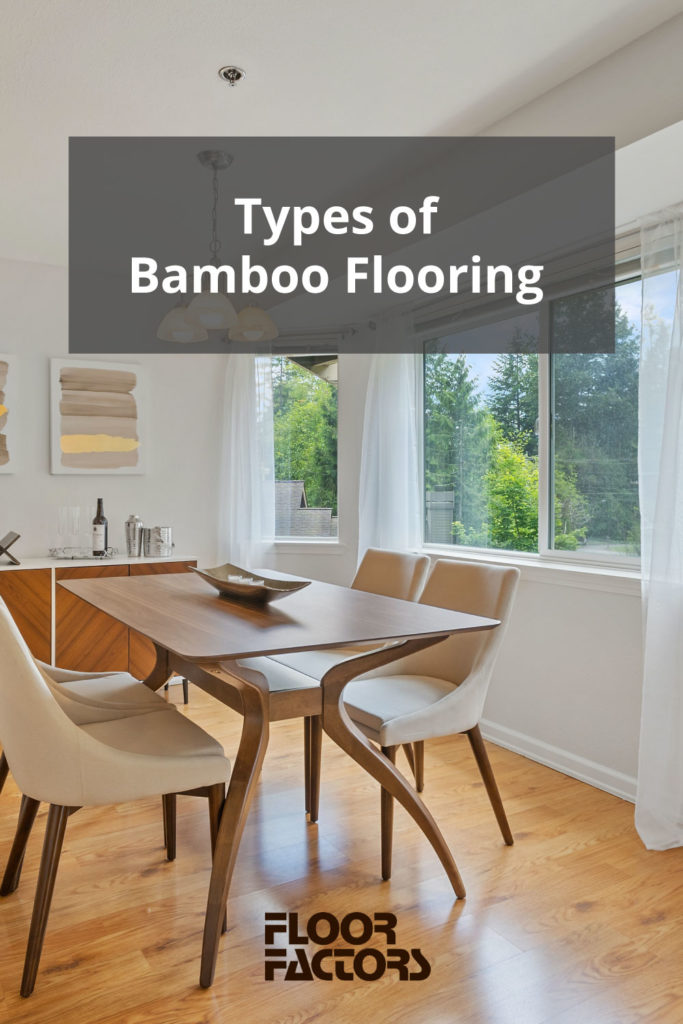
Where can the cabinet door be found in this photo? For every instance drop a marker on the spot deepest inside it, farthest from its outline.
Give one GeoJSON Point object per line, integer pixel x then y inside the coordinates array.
{"type": "Point", "coordinates": [87, 639]}
{"type": "Point", "coordinates": [141, 651]}
{"type": "Point", "coordinates": [28, 595]}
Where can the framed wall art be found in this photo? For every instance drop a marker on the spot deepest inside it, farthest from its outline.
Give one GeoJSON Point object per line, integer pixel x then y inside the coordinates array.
{"type": "Point", "coordinates": [96, 417]}
{"type": "Point", "coordinates": [8, 414]}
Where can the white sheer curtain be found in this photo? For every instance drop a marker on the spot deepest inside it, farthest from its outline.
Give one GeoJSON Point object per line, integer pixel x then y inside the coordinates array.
{"type": "Point", "coordinates": [246, 497]}
{"type": "Point", "coordinates": [659, 803]}
{"type": "Point", "coordinates": [389, 505]}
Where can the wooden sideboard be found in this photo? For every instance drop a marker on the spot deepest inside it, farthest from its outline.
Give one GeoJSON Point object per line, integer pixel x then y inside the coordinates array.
{"type": "Point", "coordinates": [28, 595]}
{"type": "Point", "coordinates": [53, 620]}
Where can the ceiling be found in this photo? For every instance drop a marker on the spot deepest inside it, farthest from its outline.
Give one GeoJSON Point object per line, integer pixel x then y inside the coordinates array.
{"type": "Point", "coordinates": [148, 67]}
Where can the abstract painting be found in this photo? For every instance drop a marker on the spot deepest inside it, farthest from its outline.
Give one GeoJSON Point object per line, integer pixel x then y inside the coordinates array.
{"type": "Point", "coordinates": [96, 417]}
{"type": "Point", "coordinates": [7, 414]}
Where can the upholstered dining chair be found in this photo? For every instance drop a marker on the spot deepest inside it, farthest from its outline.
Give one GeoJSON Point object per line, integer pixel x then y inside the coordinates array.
{"type": "Point", "coordinates": [440, 691]}
{"type": "Point", "coordinates": [87, 698]}
{"type": "Point", "coordinates": [69, 764]}
{"type": "Point", "coordinates": [388, 573]}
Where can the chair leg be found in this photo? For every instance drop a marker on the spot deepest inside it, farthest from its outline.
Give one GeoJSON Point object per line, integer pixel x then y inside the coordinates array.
{"type": "Point", "coordinates": [27, 815]}
{"type": "Point", "coordinates": [168, 801]}
{"type": "Point", "coordinates": [186, 692]}
{"type": "Point", "coordinates": [216, 800]}
{"type": "Point", "coordinates": [49, 862]}
{"type": "Point", "coordinates": [4, 770]}
{"type": "Point", "coordinates": [387, 818]}
{"type": "Point", "coordinates": [415, 754]}
{"type": "Point", "coordinates": [419, 749]}
{"type": "Point", "coordinates": [408, 751]}
{"type": "Point", "coordinates": [316, 749]}
{"type": "Point", "coordinates": [482, 758]}
{"type": "Point", "coordinates": [307, 762]}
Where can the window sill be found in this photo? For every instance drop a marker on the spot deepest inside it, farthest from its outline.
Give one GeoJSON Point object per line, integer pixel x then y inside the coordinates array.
{"type": "Point", "coordinates": [540, 569]}
{"type": "Point", "coordinates": [308, 546]}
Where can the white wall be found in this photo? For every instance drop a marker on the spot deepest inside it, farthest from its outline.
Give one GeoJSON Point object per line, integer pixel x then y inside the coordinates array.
{"type": "Point", "coordinates": [567, 687]}
{"type": "Point", "coordinates": [183, 423]}
{"type": "Point", "coordinates": [630, 94]}
{"type": "Point", "coordinates": [648, 175]}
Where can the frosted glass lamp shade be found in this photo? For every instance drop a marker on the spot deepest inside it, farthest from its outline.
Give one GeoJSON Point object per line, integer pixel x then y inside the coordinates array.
{"type": "Point", "coordinates": [175, 327]}
{"type": "Point", "coordinates": [212, 311]}
{"type": "Point", "coordinates": [253, 324]}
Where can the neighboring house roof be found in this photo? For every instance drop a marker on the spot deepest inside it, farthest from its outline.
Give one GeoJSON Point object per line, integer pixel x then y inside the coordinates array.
{"type": "Point", "coordinates": [294, 517]}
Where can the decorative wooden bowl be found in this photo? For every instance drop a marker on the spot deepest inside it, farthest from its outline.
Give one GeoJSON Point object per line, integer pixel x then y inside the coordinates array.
{"type": "Point", "coordinates": [243, 585]}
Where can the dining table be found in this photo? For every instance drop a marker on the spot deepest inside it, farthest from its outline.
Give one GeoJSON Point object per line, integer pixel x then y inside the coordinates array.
{"type": "Point", "coordinates": [203, 636]}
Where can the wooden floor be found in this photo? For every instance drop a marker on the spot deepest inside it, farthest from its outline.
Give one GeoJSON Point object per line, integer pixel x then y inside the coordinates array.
{"type": "Point", "coordinates": [575, 924]}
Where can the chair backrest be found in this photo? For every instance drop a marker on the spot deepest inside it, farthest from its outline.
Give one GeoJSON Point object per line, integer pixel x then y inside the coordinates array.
{"type": "Point", "coordinates": [466, 659]}
{"type": "Point", "coordinates": [36, 735]}
{"type": "Point", "coordinates": [392, 574]}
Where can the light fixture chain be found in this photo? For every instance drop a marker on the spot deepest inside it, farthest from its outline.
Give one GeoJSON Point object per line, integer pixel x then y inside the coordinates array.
{"type": "Point", "coordinates": [215, 246]}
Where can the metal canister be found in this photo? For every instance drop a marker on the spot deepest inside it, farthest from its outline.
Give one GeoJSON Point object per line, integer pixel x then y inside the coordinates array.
{"type": "Point", "coordinates": [157, 541]}
{"type": "Point", "coordinates": [133, 531]}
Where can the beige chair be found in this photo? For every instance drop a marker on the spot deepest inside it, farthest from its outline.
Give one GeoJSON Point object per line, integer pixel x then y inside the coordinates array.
{"type": "Point", "coordinates": [441, 690]}
{"type": "Point", "coordinates": [57, 760]}
{"type": "Point", "coordinates": [87, 698]}
{"type": "Point", "coordinates": [118, 689]}
{"type": "Point", "coordinates": [389, 573]}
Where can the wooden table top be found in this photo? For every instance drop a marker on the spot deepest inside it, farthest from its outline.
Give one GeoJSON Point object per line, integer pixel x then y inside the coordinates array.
{"type": "Point", "coordinates": [186, 616]}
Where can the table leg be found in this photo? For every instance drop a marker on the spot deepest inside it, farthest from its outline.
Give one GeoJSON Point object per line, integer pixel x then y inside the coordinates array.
{"type": "Point", "coordinates": [243, 779]}
{"type": "Point", "coordinates": [161, 671]}
{"type": "Point", "coordinates": [345, 734]}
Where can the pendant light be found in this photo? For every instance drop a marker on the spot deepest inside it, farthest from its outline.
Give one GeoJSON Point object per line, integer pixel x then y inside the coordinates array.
{"type": "Point", "coordinates": [212, 310]}
{"type": "Point", "coordinates": [253, 324]}
{"type": "Point", "coordinates": [175, 327]}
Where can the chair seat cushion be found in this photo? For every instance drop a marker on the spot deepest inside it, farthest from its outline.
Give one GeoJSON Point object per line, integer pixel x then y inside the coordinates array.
{"type": "Point", "coordinates": [279, 676]}
{"type": "Point", "coordinates": [316, 663]}
{"type": "Point", "coordinates": [380, 704]}
{"type": "Point", "coordinates": [119, 688]}
{"type": "Point", "coordinates": [171, 735]}
{"type": "Point", "coordinates": [143, 756]}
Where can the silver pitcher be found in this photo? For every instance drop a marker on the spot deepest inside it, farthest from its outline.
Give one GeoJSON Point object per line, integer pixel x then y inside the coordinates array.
{"type": "Point", "coordinates": [157, 541]}
{"type": "Point", "coordinates": [133, 530]}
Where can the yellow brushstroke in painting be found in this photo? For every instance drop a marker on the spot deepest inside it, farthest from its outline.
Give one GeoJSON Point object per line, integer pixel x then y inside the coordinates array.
{"type": "Point", "coordinates": [4, 413]}
{"type": "Point", "coordinates": [98, 418]}
{"type": "Point", "coordinates": [97, 443]}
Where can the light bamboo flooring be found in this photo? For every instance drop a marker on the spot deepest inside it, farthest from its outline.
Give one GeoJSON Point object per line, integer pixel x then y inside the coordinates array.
{"type": "Point", "coordinates": [575, 924]}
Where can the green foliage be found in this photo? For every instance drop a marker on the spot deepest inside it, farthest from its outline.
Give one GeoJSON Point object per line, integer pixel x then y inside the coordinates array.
{"type": "Point", "coordinates": [484, 451]}
{"type": "Point", "coordinates": [595, 423]}
{"type": "Point", "coordinates": [571, 512]}
{"type": "Point", "coordinates": [512, 496]}
{"type": "Point", "coordinates": [457, 439]}
{"type": "Point", "coordinates": [305, 432]}
{"type": "Point", "coordinates": [513, 395]}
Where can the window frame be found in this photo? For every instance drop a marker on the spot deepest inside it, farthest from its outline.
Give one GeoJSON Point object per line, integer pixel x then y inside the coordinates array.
{"type": "Point", "coordinates": [628, 269]}
{"type": "Point", "coordinates": [289, 543]}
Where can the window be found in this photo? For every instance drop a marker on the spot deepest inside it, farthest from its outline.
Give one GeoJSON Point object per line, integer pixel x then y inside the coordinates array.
{"type": "Point", "coordinates": [594, 435]}
{"type": "Point", "coordinates": [481, 442]}
{"type": "Point", "coordinates": [305, 446]}
{"type": "Point", "coordinates": [535, 453]}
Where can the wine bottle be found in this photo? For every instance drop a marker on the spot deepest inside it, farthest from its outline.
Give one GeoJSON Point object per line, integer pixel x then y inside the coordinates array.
{"type": "Point", "coordinates": [99, 530]}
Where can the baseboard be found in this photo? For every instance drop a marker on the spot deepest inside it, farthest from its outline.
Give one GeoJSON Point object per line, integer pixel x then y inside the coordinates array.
{"type": "Point", "coordinates": [598, 775]}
